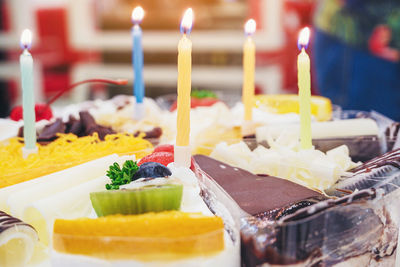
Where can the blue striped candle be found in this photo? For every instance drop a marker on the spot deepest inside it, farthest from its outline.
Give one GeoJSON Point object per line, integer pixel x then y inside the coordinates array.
{"type": "Point", "coordinates": [137, 60]}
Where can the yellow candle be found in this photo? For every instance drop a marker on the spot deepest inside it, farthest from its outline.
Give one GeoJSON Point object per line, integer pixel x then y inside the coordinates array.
{"type": "Point", "coordinates": [249, 61]}
{"type": "Point", "coordinates": [184, 81]}
{"type": "Point", "coordinates": [304, 84]}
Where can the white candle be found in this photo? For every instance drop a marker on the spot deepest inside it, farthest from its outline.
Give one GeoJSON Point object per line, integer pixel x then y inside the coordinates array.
{"type": "Point", "coordinates": [28, 99]}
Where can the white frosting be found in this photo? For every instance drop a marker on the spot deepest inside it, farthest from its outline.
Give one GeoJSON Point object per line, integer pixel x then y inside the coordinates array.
{"type": "Point", "coordinates": [327, 129]}
{"type": "Point", "coordinates": [311, 168]}
{"type": "Point", "coordinates": [9, 128]}
{"type": "Point", "coordinates": [218, 117]}
{"type": "Point", "coordinates": [262, 116]}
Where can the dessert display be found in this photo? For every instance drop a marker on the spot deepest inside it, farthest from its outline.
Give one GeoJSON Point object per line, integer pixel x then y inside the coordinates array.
{"type": "Point", "coordinates": [83, 185]}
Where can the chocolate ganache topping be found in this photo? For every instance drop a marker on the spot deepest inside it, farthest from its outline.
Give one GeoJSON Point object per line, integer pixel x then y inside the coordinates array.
{"type": "Point", "coordinates": [256, 194]}
{"type": "Point", "coordinates": [7, 221]}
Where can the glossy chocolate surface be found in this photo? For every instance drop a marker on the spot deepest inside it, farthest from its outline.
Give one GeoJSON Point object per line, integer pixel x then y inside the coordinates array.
{"type": "Point", "coordinates": [255, 194]}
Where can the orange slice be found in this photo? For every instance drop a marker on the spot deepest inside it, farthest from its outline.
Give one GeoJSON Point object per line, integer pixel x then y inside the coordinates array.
{"type": "Point", "coordinates": [150, 236]}
{"type": "Point", "coordinates": [321, 107]}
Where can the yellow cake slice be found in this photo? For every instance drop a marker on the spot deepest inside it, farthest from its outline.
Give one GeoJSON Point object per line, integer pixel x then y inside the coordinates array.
{"type": "Point", "coordinates": [168, 235]}
{"type": "Point", "coordinates": [321, 107]}
{"type": "Point", "coordinates": [66, 151]}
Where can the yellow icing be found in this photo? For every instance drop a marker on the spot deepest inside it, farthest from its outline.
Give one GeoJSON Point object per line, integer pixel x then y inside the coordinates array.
{"type": "Point", "coordinates": [66, 151]}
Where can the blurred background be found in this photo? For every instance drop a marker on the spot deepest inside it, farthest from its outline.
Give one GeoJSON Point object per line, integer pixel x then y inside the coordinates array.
{"type": "Point", "coordinates": [76, 40]}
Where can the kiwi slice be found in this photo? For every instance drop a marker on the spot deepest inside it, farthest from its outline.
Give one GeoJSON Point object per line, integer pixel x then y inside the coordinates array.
{"type": "Point", "coordinates": [136, 201]}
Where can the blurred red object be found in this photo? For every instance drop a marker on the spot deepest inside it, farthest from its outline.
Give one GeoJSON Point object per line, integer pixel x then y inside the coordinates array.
{"type": "Point", "coordinates": [42, 111]}
{"type": "Point", "coordinates": [54, 51]}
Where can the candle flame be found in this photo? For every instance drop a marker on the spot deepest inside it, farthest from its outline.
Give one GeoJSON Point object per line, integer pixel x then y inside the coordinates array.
{"type": "Point", "coordinates": [187, 21]}
{"type": "Point", "coordinates": [137, 15]}
{"type": "Point", "coordinates": [304, 38]}
{"type": "Point", "coordinates": [250, 27]}
{"type": "Point", "coordinates": [26, 39]}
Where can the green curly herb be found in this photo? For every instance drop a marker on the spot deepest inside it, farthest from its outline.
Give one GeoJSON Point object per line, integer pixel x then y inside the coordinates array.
{"type": "Point", "coordinates": [203, 94]}
{"type": "Point", "coordinates": [120, 176]}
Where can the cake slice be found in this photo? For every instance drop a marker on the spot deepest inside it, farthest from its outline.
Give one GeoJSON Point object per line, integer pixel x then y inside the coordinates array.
{"type": "Point", "coordinates": [294, 226]}
{"type": "Point", "coordinates": [256, 193]}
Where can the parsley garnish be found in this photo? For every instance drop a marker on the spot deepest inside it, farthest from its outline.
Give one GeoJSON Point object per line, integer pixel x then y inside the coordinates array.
{"type": "Point", "coordinates": [120, 176]}
{"type": "Point", "coordinates": [203, 94]}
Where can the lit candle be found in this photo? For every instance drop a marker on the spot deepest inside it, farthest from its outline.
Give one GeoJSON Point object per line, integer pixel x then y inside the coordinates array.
{"type": "Point", "coordinates": [137, 61]}
{"type": "Point", "coordinates": [249, 61]}
{"type": "Point", "coordinates": [28, 99]}
{"type": "Point", "coordinates": [304, 84]}
{"type": "Point", "coordinates": [182, 149]}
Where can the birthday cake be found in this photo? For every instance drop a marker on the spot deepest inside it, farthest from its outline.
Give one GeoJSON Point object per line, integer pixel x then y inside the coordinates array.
{"type": "Point", "coordinates": [282, 185]}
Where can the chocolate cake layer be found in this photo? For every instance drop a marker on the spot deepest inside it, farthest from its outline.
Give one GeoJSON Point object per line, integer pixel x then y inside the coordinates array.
{"type": "Point", "coordinates": [255, 194]}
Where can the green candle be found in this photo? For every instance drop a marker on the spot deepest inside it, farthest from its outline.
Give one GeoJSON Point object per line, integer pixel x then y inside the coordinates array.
{"type": "Point", "coordinates": [28, 99]}
{"type": "Point", "coordinates": [304, 83]}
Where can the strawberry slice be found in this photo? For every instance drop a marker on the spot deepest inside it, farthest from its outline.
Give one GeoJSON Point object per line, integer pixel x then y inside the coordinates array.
{"type": "Point", "coordinates": [203, 102]}
{"type": "Point", "coordinates": [163, 154]}
{"type": "Point", "coordinates": [198, 102]}
{"type": "Point", "coordinates": [164, 148]}
{"type": "Point", "coordinates": [163, 158]}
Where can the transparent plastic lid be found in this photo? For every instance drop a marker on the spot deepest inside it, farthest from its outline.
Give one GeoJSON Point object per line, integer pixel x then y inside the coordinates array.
{"type": "Point", "coordinates": [348, 230]}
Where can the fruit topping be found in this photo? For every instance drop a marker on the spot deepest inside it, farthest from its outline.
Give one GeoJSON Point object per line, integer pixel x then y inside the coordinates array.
{"type": "Point", "coordinates": [120, 176]}
{"type": "Point", "coordinates": [163, 154]}
{"type": "Point", "coordinates": [160, 236]}
{"type": "Point", "coordinates": [200, 98]}
{"type": "Point", "coordinates": [321, 107]}
{"type": "Point", "coordinates": [151, 170]}
{"type": "Point", "coordinates": [150, 198]}
{"type": "Point", "coordinates": [164, 148]}
{"type": "Point", "coordinates": [164, 158]}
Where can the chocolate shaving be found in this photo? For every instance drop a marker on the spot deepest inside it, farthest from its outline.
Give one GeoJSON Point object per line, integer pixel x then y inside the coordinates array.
{"type": "Point", "coordinates": [7, 221]}
{"type": "Point", "coordinates": [156, 132]}
{"type": "Point", "coordinates": [50, 131]}
{"type": "Point", "coordinates": [84, 126]}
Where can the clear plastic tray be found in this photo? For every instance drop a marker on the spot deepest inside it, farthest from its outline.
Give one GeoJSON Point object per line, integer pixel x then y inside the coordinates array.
{"type": "Point", "coordinates": [357, 230]}
{"type": "Point", "coordinates": [351, 232]}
